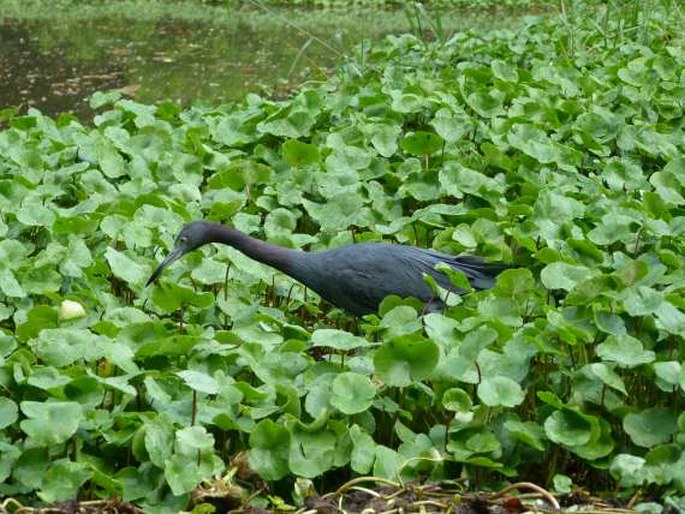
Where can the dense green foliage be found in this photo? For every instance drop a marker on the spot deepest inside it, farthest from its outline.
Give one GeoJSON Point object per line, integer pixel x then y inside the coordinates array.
{"type": "Point", "coordinates": [557, 148]}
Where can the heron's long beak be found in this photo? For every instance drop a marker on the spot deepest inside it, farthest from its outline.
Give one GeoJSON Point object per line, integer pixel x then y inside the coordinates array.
{"type": "Point", "coordinates": [173, 256]}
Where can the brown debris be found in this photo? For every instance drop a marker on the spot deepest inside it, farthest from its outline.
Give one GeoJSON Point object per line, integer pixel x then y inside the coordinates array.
{"type": "Point", "coordinates": [362, 495]}
{"type": "Point", "coordinates": [110, 506]}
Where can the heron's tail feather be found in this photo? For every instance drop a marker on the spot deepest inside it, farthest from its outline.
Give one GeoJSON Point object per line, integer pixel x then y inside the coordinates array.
{"type": "Point", "coordinates": [480, 273]}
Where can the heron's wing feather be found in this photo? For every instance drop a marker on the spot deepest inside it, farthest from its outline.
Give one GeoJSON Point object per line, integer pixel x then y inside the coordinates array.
{"type": "Point", "coordinates": [360, 289]}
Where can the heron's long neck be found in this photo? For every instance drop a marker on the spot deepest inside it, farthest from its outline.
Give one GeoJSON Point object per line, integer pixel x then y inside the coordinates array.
{"type": "Point", "coordinates": [275, 256]}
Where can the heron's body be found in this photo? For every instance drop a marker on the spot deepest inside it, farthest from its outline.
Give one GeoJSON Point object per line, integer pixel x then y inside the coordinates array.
{"type": "Point", "coordinates": [356, 277]}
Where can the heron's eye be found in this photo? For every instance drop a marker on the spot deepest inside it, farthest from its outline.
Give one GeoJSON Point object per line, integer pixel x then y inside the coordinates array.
{"type": "Point", "coordinates": [183, 239]}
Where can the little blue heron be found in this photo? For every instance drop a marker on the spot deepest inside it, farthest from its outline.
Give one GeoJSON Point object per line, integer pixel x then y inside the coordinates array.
{"type": "Point", "coordinates": [355, 277]}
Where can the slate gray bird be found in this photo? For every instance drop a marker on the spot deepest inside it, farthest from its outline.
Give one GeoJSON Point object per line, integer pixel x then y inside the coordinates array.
{"type": "Point", "coordinates": [355, 278]}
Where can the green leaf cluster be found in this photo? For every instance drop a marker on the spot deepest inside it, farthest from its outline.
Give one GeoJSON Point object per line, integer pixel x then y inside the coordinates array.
{"type": "Point", "coordinates": [549, 148]}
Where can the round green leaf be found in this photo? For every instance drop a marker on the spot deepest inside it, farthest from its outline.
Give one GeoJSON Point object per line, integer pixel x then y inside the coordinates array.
{"type": "Point", "coordinates": [527, 432]}
{"type": "Point", "coordinates": [199, 381]}
{"type": "Point", "coordinates": [504, 71]}
{"type": "Point", "coordinates": [50, 422]}
{"type": "Point", "coordinates": [601, 443]}
{"type": "Point", "coordinates": [607, 375]}
{"type": "Point", "coordinates": [9, 284]}
{"type": "Point", "coordinates": [125, 268]}
{"type": "Point", "coordinates": [299, 154]}
{"type": "Point", "coordinates": [560, 275]}
{"type": "Point", "coordinates": [641, 301]}
{"type": "Point", "coordinates": [209, 272]}
{"type": "Point", "coordinates": [384, 138]}
{"type": "Point", "coordinates": [158, 439]}
{"type": "Point", "coordinates": [486, 102]}
{"type": "Point", "coordinates": [482, 442]}
{"type": "Point", "coordinates": [269, 443]}
{"type": "Point", "coordinates": [457, 400]}
{"type": "Point", "coordinates": [628, 469]}
{"type": "Point", "coordinates": [279, 221]}
{"type": "Point", "coordinates": [562, 483]}
{"type": "Point", "coordinates": [405, 360]}
{"type": "Point", "coordinates": [63, 480]}
{"type": "Point", "coordinates": [352, 393]}
{"type": "Point", "coordinates": [64, 346]}
{"type": "Point", "coordinates": [190, 440]}
{"type": "Point", "coordinates": [651, 426]}
{"type": "Point", "coordinates": [311, 452]}
{"type": "Point", "coordinates": [625, 350]}
{"type": "Point", "coordinates": [669, 374]}
{"type": "Point", "coordinates": [568, 428]}
{"type": "Point", "coordinates": [422, 143]}
{"type": "Point", "coordinates": [337, 339]}
{"type": "Point", "coordinates": [9, 413]}
{"type": "Point", "coordinates": [363, 450]}
{"type": "Point", "coordinates": [400, 321]}
{"type": "Point", "coordinates": [500, 391]}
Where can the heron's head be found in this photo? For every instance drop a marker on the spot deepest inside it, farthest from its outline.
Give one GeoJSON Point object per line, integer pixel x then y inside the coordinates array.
{"type": "Point", "coordinates": [192, 236]}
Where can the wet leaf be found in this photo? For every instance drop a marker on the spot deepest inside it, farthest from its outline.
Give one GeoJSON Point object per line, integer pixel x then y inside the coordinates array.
{"type": "Point", "coordinates": [337, 339]}
{"type": "Point", "coordinates": [421, 143]}
{"type": "Point", "coordinates": [8, 412]}
{"type": "Point", "coordinates": [299, 154]}
{"type": "Point", "coordinates": [50, 423]}
{"type": "Point", "coordinates": [569, 428]}
{"type": "Point", "coordinates": [625, 350]}
{"type": "Point", "coordinates": [651, 426]}
{"type": "Point", "coordinates": [496, 391]}
{"type": "Point", "coordinates": [457, 400]}
{"type": "Point", "coordinates": [352, 393]}
{"type": "Point", "coordinates": [199, 381]}
{"type": "Point", "coordinates": [363, 452]}
{"type": "Point", "coordinates": [125, 268]}
{"type": "Point", "coordinates": [406, 359]}
{"type": "Point", "coordinates": [63, 480]}
{"type": "Point", "coordinates": [560, 275]}
{"type": "Point", "coordinates": [269, 454]}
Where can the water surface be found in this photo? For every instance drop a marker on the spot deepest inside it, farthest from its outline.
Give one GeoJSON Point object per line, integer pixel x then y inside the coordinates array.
{"type": "Point", "coordinates": [55, 59]}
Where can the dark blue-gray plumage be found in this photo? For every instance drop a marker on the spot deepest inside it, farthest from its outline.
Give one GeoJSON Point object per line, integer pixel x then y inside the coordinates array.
{"type": "Point", "coordinates": [355, 278]}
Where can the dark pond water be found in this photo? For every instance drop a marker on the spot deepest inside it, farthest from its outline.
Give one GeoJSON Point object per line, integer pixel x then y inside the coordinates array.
{"type": "Point", "coordinates": [55, 61]}
{"type": "Point", "coordinates": [57, 67]}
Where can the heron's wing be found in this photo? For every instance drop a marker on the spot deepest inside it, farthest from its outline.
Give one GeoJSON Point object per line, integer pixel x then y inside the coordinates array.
{"type": "Point", "coordinates": [399, 270]}
{"type": "Point", "coordinates": [359, 290]}
{"type": "Point", "coordinates": [358, 277]}
{"type": "Point", "coordinates": [361, 276]}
